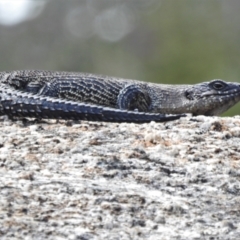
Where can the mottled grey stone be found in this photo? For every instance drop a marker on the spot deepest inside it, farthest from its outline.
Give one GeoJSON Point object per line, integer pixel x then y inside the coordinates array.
{"type": "Point", "coordinates": [85, 180]}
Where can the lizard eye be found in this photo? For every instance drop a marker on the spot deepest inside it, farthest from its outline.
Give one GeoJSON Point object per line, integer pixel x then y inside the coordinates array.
{"type": "Point", "coordinates": [218, 85]}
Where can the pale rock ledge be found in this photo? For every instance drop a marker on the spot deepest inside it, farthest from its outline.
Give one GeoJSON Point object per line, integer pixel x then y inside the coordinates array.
{"type": "Point", "coordinates": [92, 180]}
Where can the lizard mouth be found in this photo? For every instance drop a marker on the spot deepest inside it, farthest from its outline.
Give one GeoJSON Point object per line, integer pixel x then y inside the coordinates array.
{"type": "Point", "coordinates": [231, 93]}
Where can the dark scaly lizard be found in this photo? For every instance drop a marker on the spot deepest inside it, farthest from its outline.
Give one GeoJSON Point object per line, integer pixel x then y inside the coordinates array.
{"type": "Point", "coordinates": [69, 95]}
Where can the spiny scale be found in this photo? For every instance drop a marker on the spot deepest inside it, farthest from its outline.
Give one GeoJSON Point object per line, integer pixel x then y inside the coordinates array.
{"type": "Point", "coordinates": [68, 95]}
{"type": "Point", "coordinates": [15, 103]}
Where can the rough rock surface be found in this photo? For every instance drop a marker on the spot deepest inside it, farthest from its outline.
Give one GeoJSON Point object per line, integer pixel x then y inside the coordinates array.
{"type": "Point", "coordinates": [86, 180]}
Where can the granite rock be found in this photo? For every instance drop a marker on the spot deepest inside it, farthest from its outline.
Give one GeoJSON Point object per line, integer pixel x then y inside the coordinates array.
{"type": "Point", "coordinates": [92, 180]}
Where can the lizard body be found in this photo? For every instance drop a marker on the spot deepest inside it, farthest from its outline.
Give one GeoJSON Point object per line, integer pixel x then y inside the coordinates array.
{"type": "Point", "coordinates": [69, 95]}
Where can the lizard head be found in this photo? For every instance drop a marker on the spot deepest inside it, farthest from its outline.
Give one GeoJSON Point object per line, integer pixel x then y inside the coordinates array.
{"type": "Point", "coordinates": [211, 98]}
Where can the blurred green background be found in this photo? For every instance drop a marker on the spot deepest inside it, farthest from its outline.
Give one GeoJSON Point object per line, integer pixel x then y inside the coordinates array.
{"type": "Point", "coordinates": [166, 41]}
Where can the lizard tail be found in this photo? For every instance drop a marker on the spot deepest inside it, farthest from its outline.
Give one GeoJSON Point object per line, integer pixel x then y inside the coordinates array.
{"type": "Point", "coordinates": [20, 104]}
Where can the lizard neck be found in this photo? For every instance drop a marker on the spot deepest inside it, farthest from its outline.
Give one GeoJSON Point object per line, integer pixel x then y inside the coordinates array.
{"type": "Point", "coordinates": [168, 98]}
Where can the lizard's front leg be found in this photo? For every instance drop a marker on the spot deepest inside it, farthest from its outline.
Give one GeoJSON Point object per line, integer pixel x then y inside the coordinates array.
{"type": "Point", "coordinates": [134, 97]}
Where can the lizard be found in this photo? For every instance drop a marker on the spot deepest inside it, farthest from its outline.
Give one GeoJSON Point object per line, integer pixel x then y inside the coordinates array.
{"type": "Point", "coordinates": [85, 96]}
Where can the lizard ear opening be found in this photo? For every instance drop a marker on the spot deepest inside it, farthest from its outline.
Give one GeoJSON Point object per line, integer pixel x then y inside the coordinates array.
{"type": "Point", "coordinates": [189, 95]}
